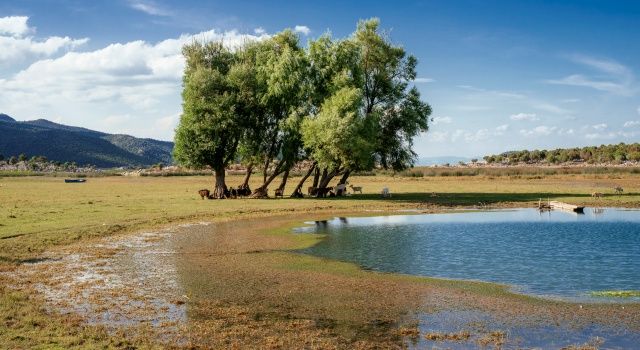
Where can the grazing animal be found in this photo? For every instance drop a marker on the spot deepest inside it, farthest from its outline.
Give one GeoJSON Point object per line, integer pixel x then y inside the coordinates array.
{"type": "Point", "coordinates": [433, 194]}
{"type": "Point", "coordinates": [385, 192]}
{"type": "Point", "coordinates": [312, 190]}
{"type": "Point", "coordinates": [279, 193]}
{"type": "Point", "coordinates": [618, 190]}
{"type": "Point", "coordinates": [243, 191]}
{"type": "Point", "coordinates": [322, 192]}
{"type": "Point", "coordinates": [233, 193]}
{"type": "Point", "coordinates": [297, 194]}
{"type": "Point", "coordinates": [597, 194]}
{"type": "Point", "coordinates": [332, 194]}
{"type": "Point", "coordinates": [341, 189]}
{"type": "Point", "coordinates": [356, 188]}
{"type": "Point", "coordinates": [204, 193]}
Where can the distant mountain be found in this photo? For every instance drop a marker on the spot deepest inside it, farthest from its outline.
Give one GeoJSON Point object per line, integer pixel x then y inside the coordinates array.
{"type": "Point", "coordinates": [442, 160]}
{"type": "Point", "coordinates": [65, 143]}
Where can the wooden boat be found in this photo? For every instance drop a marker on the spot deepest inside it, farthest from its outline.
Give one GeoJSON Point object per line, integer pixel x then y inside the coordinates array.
{"type": "Point", "coordinates": [75, 180]}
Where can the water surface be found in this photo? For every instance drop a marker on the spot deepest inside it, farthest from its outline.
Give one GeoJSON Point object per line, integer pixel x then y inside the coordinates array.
{"type": "Point", "coordinates": [554, 254]}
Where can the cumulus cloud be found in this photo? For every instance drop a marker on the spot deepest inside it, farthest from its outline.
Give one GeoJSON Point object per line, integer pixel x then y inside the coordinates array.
{"type": "Point", "coordinates": [631, 123]}
{"type": "Point", "coordinates": [14, 26]}
{"type": "Point", "coordinates": [502, 128]}
{"type": "Point", "coordinates": [542, 130]}
{"type": "Point", "coordinates": [138, 79]}
{"type": "Point", "coordinates": [468, 136]}
{"type": "Point", "coordinates": [441, 120]}
{"type": "Point", "coordinates": [302, 30]}
{"type": "Point", "coordinates": [259, 31]}
{"type": "Point", "coordinates": [524, 116]}
{"type": "Point", "coordinates": [16, 44]}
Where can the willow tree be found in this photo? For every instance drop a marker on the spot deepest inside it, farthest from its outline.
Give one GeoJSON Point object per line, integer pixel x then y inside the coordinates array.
{"type": "Point", "coordinates": [368, 67]}
{"type": "Point", "coordinates": [213, 110]}
{"type": "Point", "coordinates": [280, 67]}
{"type": "Point", "coordinates": [388, 100]}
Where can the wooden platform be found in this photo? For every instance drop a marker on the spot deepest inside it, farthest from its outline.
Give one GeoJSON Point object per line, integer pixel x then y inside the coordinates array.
{"type": "Point", "coordinates": [566, 206]}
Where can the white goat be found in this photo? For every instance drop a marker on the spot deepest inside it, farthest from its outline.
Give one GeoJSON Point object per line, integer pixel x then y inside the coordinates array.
{"type": "Point", "coordinates": [385, 192]}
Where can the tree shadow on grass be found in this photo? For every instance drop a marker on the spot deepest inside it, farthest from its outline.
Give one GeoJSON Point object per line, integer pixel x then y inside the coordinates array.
{"type": "Point", "coordinates": [460, 199]}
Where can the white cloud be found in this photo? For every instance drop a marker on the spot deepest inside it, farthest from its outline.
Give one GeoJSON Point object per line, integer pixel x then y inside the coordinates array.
{"type": "Point", "coordinates": [618, 79]}
{"type": "Point", "coordinates": [97, 88]}
{"type": "Point", "coordinates": [16, 46]}
{"type": "Point", "coordinates": [302, 29]}
{"type": "Point", "coordinates": [423, 80]}
{"type": "Point", "coordinates": [602, 65]}
{"type": "Point", "coordinates": [603, 136]}
{"type": "Point", "coordinates": [15, 26]}
{"type": "Point", "coordinates": [441, 120]}
{"type": "Point", "coordinates": [601, 126]}
{"type": "Point", "coordinates": [502, 128]}
{"type": "Point", "coordinates": [148, 7]}
{"type": "Point", "coordinates": [551, 108]}
{"type": "Point", "coordinates": [259, 31]}
{"type": "Point", "coordinates": [505, 94]}
{"type": "Point", "coordinates": [631, 123]}
{"type": "Point", "coordinates": [542, 130]}
{"type": "Point", "coordinates": [571, 100]}
{"type": "Point", "coordinates": [638, 110]}
{"type": "Point", "coordinates": [582, 81]}
{"type": "Point", "coordinates": [524, 116]}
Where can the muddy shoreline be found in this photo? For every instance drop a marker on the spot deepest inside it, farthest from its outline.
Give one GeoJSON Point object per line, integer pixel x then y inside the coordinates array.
{"type": "Point", "coordinates": [237, 282]}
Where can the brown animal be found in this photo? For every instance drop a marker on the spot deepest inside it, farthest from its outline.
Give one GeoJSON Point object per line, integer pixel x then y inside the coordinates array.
{"type": "Point", "coordinates": [279, 193]}
{"type": "Point", "coordinates": [312, 190]}
{"type": "Point", "coordinates": [618, 190]}
{"type": "Point", "coordinates": [323, 192]}
{"type": "Point", "coordinates": [597, 194]}
{"type": "Point", "coordinates": [356, 188]}
{"type": "Point", "coordinates": [204, 193]}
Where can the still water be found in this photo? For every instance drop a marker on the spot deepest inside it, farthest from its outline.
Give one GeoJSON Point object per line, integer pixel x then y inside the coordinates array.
{"type": "Point", "coordinates": [553, 254]}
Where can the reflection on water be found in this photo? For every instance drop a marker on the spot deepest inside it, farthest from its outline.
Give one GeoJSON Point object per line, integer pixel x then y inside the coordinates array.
{"type": "Point", "coordinates": [555, 254]}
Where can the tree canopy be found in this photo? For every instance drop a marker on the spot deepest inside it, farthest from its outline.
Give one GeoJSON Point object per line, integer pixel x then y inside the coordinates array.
{"type": "Point", "coordinates": [344, 104]}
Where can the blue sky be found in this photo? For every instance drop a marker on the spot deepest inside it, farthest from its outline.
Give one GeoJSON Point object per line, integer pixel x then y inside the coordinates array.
{"type": "Point", "coordinates": [500, 75]}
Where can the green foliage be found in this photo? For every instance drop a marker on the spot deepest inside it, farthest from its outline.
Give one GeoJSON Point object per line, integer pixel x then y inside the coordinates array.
{"type": "Point", "coordinates": [339, 136]}
{"type": "Point", "coordinates": [591, 154]}
{"type": "Point", "coordinates": [209, 128]}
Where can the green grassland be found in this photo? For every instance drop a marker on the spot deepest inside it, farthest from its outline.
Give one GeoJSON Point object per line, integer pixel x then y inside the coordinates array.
{"type": "Point", "coordinates": [39, 212]}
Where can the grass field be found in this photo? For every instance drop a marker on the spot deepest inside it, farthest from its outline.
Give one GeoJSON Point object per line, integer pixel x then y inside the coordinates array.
{"type": "Point", "coordinates": [38, 214]}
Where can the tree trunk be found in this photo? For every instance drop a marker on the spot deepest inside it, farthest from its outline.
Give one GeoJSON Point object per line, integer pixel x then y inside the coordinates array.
{"type": "Point", "coordinates": [220, 188]}
{"type": "Point", "coordinates": [297, 192]}
{"type": "Point", "coordinates": [285, 176]}
{"type": "Point", "coordinates": [344, 178]}
{"type": "Point", "coordinates": [245, 183]}
{"type": "Point", "coordinates": [343, 181]}
{"type": "Point", "coordinates": [316, 177]}
{"type": "Point", "coordinates": [323, 179]}
{"type": "Point", "coordinates": [261, 192]}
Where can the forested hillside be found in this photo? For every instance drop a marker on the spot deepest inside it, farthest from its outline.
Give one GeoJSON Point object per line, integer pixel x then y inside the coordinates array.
{"type": "Point", "coordinates": [64, 143]}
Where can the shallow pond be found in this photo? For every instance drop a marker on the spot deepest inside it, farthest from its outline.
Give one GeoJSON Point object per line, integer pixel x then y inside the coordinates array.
{"type": "Point", "coordinates": [552, 254]}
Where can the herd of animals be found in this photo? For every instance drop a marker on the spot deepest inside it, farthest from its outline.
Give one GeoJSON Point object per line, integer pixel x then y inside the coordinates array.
{"type": "Point", "coordinates": [617, 189]}
{"type": "Point", "coordinates": [245, 191]}
{"type": "Point", "coordinates": [339, 190]}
